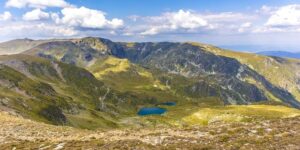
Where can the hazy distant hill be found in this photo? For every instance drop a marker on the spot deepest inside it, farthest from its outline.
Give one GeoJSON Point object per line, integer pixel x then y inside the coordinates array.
{"type": "Point", "coordinates": [281, 54]}
{"type": "Point", "coordinates": [20, 45]}
{"type": "Point", "coordinates": [17, 46]}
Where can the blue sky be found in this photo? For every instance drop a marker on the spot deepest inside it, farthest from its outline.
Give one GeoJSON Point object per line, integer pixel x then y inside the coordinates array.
{"type": "Point", "coordinates": [244, 25]}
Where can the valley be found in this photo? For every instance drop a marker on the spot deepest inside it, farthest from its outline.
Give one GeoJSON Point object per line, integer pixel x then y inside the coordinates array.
{"type": "Point", "coordinates": [93, 92]}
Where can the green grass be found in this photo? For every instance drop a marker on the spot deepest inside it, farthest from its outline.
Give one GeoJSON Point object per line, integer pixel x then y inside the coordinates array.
{"type": "Point", "coordinates": [123, 75]}
{"type": "Point", "coordinates": [281, 74]}
{"type": "Point", "coordinates": [211, 110]}
{"type": "Point", "coordinates": [229, 114]}
{"type": "Point", "coordinates": [79, 91]}
{"type": "Point", "coordinates": [136, 86]}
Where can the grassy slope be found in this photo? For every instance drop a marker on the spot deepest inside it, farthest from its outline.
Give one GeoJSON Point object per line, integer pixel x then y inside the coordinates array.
{"type": "Point", "coordinates": [282, 72]}
{"type": "Point", "coordinates": [239, 114]}
{"type": "Point", "coordinates": [211, 111]}
{"type": "Point", "coordinates": [127, 77]}
{"type": "Point", "coordinates": [29, 95]}
{"type": "Point", "coordinates": [122, 74]}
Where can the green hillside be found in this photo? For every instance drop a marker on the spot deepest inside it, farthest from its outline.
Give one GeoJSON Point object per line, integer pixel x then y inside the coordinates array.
{"type": "Point", "coordinates": [95, 82]}
{"type": "Point", "coordinates": [58, 93]}
{"type": "Point", "coordinates": [282, 72]}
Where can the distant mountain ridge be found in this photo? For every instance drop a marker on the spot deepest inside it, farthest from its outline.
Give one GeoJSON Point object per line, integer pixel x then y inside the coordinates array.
{"type": "Point", "coordinates": [281, 54]}
{"type": "Point", "coordinates": [75, 81]}
{"type": "Point", "coordinates": [183, 59]}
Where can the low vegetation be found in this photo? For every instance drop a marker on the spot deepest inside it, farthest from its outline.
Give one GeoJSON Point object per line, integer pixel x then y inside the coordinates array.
{"type": "Point", "coordinates": [19, 133]}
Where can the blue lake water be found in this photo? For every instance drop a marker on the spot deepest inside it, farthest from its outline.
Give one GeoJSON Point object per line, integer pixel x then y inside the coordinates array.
{"type": "Point", "coordinates": [151, 111]}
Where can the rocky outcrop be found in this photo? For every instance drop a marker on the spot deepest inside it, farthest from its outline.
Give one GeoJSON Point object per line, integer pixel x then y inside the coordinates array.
{"type": "Point", "coordinates": [54, 115]}
{"type": "Point", "coordinates": [191, 61]}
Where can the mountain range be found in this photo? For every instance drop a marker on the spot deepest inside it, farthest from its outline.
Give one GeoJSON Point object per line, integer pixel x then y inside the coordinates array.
{"type": "Point", "coordinates": [94, 82]}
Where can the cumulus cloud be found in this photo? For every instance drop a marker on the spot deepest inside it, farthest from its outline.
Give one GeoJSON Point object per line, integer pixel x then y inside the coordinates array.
{"type": "Point", "coordinates": [68, 22]}
{"type": "Point", "coordinates": [282, 19]}
{"type": "Point", "coordinates": [37, 3]}
{"type": "Point", "coordinates": [87, 18]}
{"type": "Point", "coordinates": [186, 21]}
{"type": "Point", "coordinates": [227, 17]}
{"type": "Point", "coordinates": [171, 21]}
{"type": "Point", "coordinates": [245, 26]}
{"type": "Point", "coordinates": [40, 30]}
{"type": "Point", "coordinates": [71, 21]}
{"type": "Point", "coordinates": [285, 16]}
{"type": "Point", "coordinates": [266, 10]}
{"type": "Point", "coordinates": [36, 14]}
{"type": "Point", "coordinates": [5, 16]}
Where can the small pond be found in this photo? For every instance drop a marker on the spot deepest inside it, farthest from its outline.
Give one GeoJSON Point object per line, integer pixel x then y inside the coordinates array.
{"type": "Point", "coordinates": [151, 111]}
{"type": "Point", "coordinates": [155, 110]}
{"type": "Point", "coordinates": [168, 103]}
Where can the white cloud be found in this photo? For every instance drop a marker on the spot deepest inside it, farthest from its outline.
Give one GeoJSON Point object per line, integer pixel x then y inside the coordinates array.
{"type": "Point", "coordinates": [226, 17]}
{"type": "Point", "coordinates": [37, 3]}
{"type": "Point", "coordinates": [36, 14]}
{"type": "Point", "coordinates": [192, 22]}
{"type": "Point", "coordinates": [87, 18]}
{"type": "Point", "coordinates": [57, 30]}
{"type": "Point", "coordinates": [5, 16]}
{"type": "Point", "coordinates": [153, 30]}
{"type": "Point", "coordinates": [171, 21]}
{"type": "Point", "coordinates": [55, 17]}
{"type": "Point", "coordinates": [69, 22]}
{"type": "Point", "coordinates": [40, 30]}
{"type": "Point", "coordinates": [212, 27]}
{"type": "Point", "coordinates": [185, 19]}
{"type": "Point", "coordinates": [134, 17]}
{"type": "Point", "coordinates": [266, 10]}
{"type": "Point", "coordinates": [245, 26]}
{"type": "Point", "coordinates": [285, 16]}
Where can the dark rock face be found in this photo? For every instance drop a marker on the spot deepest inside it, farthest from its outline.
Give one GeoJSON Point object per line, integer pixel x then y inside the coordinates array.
{"type": "Point", "coordinates": [54, 114]}
{"type": "Point", "coordinates": [202, 89]}
{"type": "Point", "coordinates": [45, 56]}
{"type": "Point", "coordinates": [192, 61]}
{"type": "Point", "coordinates": [242, 91]}
{"type": "Point", "coordinates": [88, 57]}
{"type": "Point", "coordinates": [282, 94]}
{"type": "Point", "coordinates": [176, 57]}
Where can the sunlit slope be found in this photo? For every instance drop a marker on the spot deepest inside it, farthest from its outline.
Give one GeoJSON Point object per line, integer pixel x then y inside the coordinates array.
{"type": "Point", "coordinates": [62, 94]}
{"type": "Point", "coordinates": [209, 111]}
{"type": "Point", "coordinates": [282, 72]}
{"type": "Point", "coordinates": [124, 75]}
{"type": "Point", "coordinates": [130, 78]}
{"type": "Point", "coordinates": [58, 93]}
{"type": "Point", "coordinates": [239, 114]}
